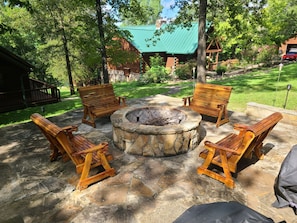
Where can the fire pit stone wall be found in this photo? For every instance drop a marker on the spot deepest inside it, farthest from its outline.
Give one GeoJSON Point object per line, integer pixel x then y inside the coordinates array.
{"type": "Point", "coordinates": [156, 131]}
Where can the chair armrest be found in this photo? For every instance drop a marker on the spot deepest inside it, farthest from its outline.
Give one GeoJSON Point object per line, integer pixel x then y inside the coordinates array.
{"type": "Point", "coordinates": [218, 147]}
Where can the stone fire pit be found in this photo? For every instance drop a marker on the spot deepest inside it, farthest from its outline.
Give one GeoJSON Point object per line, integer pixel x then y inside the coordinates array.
{"type": "Point", "coordinates": [155, 130]}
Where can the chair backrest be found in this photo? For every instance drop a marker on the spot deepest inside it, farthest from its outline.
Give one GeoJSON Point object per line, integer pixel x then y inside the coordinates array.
{"type": "Point", "coordinates": [49, 129]}
{"type": "Point", "coordinates": [56, 136]}
{"type": "Point", "coordinates": [261, 129]}
{"type": "Point", "coordinates": [251, 137]}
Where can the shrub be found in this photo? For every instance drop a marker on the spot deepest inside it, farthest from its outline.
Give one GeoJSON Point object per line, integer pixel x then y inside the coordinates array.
{"type": "Point", "coordinates": [157, 73]}
{"type": "Point", "coordinates": [221, 69]}
{"type": "Point", "coordinates": [266, 54]}
{"type": "Point", "coordinates": [185, 71]}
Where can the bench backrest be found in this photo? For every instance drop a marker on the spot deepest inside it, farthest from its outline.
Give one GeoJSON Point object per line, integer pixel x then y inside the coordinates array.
{"type": "Point", "coordinates": [56, 136]}
{"type": "Point", "coordinates": [251, 138]}
{"type": "Point", "coordinates": [49, 129]}
{"type": "Point", "coordinates": [210, 95]}
{"type": "Point", "coordinates": [98, 101]}
{"type": "Point", "coordinates": [103, 90]}
{"type": "Point", "coordinates": [262, 128]}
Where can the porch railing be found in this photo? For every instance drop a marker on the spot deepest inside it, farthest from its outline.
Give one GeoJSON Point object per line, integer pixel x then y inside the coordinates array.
{"type": "Point", "coordinates": [38, 94]}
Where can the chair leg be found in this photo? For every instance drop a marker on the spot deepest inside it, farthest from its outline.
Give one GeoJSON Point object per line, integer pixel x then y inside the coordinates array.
{"type": "Point", "coordinates": [258, 151]}
{"type": "Point", "coordinates": [227, 179]}
{"type": "Point", "coordinates": [86, 180]}
{"type": "Point", "coordinates": [222, 118]}
{"type": "Point", "coordinates": [86, 169]}
{"type": "Point", "coordinates": [55, 153]}
{"type": "Point", "coordinates": [88, 118]}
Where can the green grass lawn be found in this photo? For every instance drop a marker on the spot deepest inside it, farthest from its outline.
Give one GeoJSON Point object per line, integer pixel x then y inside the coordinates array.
{"type": "Point", "coordinates": [264, 86]}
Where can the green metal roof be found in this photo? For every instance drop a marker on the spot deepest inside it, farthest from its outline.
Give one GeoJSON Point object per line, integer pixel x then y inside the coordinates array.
{"type": "Point", "coordinates": [182, 40]}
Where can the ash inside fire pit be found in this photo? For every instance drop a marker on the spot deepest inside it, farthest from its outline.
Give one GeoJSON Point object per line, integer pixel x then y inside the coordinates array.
{"type": "Point", "coordinates": [156, 116]}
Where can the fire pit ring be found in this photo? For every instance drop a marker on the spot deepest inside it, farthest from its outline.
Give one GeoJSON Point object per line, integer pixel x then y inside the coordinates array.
{"type": "Point", "coordinates": [156, 130]}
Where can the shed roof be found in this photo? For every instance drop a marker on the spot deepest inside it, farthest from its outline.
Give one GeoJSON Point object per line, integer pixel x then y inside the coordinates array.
{"type": "Point", "coordinates": [182, 40]}
{"type": "Point", "coordinates": [6, 55]}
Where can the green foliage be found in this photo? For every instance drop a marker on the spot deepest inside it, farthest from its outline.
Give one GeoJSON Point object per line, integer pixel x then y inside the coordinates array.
{"type": "Point", "coordinates": [279, 17]}
{"type": "Point", "coordinates": [244, 26]}
{"type": "Point", "coordinates": [135, 90]}
{"type": "Point", "coordinates": [221, 69]}
{"type": "Point", "coordinates": [261, 86]}
{"type": "Point", "coordinates": [38, 31]}
{"type": "Point", "coordinates": [157, 72]}
{"type": "Point", "coordinates": [185, 71]}
{"type": "Point", "coordinates": [141, 12]}
{"type": "Point", "coordinates": [266, 54]}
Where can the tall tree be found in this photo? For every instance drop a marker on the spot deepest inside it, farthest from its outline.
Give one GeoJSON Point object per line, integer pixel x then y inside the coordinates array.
{"type": "Point", "coordinates": [140, 12]}
{"type": "Point", "coordinates": [102, 42]}
{"type": "Point", "coordinates": [201, 54]}
{"type": "Point", "coordinates": [216, 12]}
{"type": "Point", "coordinates": [280, 21]}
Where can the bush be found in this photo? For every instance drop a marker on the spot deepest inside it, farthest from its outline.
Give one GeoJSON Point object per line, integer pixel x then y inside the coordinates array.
{"type": "Point", "coordinates": [157, 73]}
{"type": "Point", "coordinates": [266, 54]}
{"type": "Point", "coordinates": [221, 70]}
{"type": "Point", "coordinates": [185, 71]}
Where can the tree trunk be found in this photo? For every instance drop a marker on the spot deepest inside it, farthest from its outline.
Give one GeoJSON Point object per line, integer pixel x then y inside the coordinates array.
{"type": "Point", "coordinates": [68, 66]}
{"type": "Point", "coordinates": [102, 41]}
{"type": "Point", "coordinates": [201, 51]}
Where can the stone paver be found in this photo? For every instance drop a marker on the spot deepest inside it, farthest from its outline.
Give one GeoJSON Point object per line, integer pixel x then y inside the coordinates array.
{"type": "Point", "coordinates": [145, 189]}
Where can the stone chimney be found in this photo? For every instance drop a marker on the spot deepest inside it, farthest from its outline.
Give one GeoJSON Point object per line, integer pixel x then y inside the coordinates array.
{"type": "Point", "coordinates": [160, 22]}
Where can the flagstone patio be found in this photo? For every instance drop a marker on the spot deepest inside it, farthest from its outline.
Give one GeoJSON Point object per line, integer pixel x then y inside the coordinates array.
{"type": "Point", "coordinates": [144, 190]}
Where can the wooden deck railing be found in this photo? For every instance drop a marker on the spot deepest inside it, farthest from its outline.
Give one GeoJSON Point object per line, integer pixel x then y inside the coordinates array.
{"type": "Point", "coordinates": [40, 93]}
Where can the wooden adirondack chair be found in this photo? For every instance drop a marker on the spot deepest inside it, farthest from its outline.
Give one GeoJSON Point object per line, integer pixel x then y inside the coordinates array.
{"type": "Point", "coordinates": [84, 154]}
{"type": "Point", "coordinates": [227, 152]}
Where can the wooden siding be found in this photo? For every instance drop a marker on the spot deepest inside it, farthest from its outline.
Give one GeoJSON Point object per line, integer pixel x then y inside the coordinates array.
{"type": "Point", "coordinates": [292, 41]}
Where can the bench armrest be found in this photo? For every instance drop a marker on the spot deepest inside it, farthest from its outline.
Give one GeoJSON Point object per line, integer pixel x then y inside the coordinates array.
{"type": "Point", "coordinates": [187, 100]}
{"type": "Point", "coordinates": [101, 146]}
{"type": "Point", "coordinates": [89, 106]}
{"type": "Point", "coordinates": [122, 100]}
{"type": "Point", "coordinates": [240, 127]}
{"type": "Point", "coordinates": [221, 106]}
{"type": "Point", "coordinates": [218, 147]}
{"type": "Point", "coordinates": [70, 128]}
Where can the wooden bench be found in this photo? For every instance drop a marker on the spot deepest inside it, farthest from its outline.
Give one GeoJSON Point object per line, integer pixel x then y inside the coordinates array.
{"type": "Point", "coordinates": [227, 152]}
{"type": "Point", "coordinates": [210, 100]}
{"type": "Point", "coordinates": [99, 101]}
{"type": "Point", "coordinates": [84, 154]}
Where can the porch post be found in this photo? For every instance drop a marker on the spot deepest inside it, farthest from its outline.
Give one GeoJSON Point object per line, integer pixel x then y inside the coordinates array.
{"type": "Point", "coordinates": [23, 90]}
